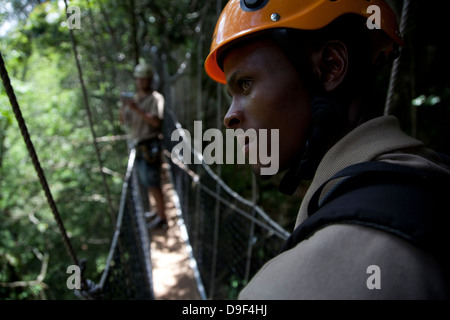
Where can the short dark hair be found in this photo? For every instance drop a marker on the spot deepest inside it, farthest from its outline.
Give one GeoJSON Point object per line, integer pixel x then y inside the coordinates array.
{"type": "Point", "coordinates": [364, 46]}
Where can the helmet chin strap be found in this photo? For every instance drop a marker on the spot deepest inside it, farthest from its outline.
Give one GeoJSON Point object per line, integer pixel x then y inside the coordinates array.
{"type": "Point", "coordinates": [327, 117]}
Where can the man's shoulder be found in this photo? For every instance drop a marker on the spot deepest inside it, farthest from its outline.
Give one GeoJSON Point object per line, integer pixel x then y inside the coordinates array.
{"type": "Point", "coordinates": [152, 100]}
{"type": "Point", "coordinates": [401, 200]}
{"type": "Point", "coordinates": [335, 263]}
{"type": "Point", "coordinates": [157, 95]}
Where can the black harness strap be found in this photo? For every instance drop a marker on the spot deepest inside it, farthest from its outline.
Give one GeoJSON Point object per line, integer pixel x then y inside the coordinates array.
{"type": "Point", "coordinates": [401, 200]}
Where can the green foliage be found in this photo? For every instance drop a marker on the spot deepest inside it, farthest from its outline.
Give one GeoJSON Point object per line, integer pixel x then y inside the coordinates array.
{"type": "Point", "coordinates": [42, 70]}
{"type": "Point", "coordinates": [57, 125]}
{"type": "Point", "coordinates": [114, 35]}
{"type": "Point", "coordinates": [40, 61]}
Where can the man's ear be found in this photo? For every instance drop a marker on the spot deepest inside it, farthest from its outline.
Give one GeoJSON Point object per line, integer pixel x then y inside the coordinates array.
{"type": "Point", "coordinates": [331, 64]}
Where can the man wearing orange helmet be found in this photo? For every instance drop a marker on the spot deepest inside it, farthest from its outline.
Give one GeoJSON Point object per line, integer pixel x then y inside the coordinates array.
{"type": "Point", "coordinates": [371, 223]}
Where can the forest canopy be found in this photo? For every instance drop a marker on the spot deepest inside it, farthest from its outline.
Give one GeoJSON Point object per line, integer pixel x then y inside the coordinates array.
{"type": "Point", "coordinates": [82, 149]}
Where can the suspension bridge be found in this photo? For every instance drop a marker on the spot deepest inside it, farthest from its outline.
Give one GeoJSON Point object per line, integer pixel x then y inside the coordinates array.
{"type": "Point", "coordinates": [217, 239]}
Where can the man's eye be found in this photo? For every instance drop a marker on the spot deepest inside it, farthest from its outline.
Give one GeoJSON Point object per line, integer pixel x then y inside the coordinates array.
{"type": "Point", "coordinates": [245, 85]}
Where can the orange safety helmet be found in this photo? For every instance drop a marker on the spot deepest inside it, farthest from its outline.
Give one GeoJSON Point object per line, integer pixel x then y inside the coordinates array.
{"type": "Point", "coordinates": [241, 18]}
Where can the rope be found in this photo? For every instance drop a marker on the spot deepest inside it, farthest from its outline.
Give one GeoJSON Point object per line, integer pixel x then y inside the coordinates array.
{"type": "Point", "coordinates": [88, 111]}
{"type": "Point", "coordinates": [34, 158]}
{"type": "Point", "coordinates": [131, 161]}
{"type": "Point", "coordinates": [396, 65]}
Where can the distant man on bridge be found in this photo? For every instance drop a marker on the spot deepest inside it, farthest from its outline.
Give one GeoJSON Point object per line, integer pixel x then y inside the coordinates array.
{"type": "Point", "coordinates": [143, 113]}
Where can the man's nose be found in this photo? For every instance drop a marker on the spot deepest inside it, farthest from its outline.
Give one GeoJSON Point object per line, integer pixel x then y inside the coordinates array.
{"type": "Point", "coordinates": [234, 117]}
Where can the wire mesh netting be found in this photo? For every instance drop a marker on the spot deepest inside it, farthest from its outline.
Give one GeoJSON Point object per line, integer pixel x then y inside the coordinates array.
{"type": "Point", "coordinates": [128, 271]}
{"type": "Point", "coordinates": [131, 264]}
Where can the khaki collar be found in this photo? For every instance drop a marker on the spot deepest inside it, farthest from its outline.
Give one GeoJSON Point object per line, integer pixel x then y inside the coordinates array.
{"type": "Point", "coordinates": [364, 143]}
